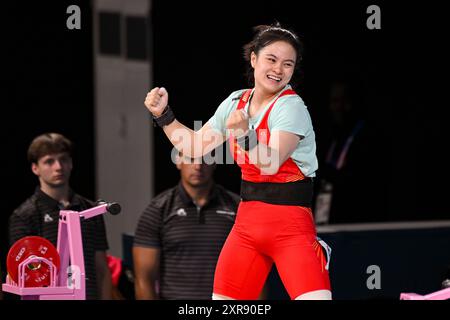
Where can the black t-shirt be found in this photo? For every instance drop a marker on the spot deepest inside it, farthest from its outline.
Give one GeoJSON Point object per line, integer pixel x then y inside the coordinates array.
{"type": "Point", "coordinates": [39, 216]}
{"type": "Point", "coordinates": [190, 239]}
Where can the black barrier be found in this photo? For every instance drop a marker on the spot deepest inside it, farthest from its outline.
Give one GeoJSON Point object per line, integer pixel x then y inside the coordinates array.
{"type": "Point", "coordinates": [374, 261]}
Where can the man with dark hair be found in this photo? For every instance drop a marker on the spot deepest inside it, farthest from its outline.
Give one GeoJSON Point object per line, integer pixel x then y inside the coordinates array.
{"type": "Point", "coordinates": [180, 234]}
{"type": "Point", "coordinates": [50, 156]}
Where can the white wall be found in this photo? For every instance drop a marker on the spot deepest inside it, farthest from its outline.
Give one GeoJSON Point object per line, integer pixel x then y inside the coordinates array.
{"type": "Point", "coordinates": [122, 126]}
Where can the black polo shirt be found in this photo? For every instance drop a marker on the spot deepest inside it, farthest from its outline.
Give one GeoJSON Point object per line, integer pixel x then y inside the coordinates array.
{"type": "Point", "coordinates": [190, 239]}
{"type": "Point", "coordinates": [38, 216]}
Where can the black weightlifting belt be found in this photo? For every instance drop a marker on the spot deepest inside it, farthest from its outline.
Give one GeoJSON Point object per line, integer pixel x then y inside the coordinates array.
{"type": "Point", "coordinates": [297, 193]}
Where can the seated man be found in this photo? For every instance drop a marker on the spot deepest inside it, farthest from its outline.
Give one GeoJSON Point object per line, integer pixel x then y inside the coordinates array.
{"type": "Point", "coordinates": [50, 156]}
{"type": "Point", "coordinates": [180, 234]}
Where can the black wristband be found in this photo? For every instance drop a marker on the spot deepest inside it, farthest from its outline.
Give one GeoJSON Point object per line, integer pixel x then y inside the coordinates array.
{"type": "Point", "coordinates": [248, 141]}
{"type": "Point", "coordinates": [166, 118]}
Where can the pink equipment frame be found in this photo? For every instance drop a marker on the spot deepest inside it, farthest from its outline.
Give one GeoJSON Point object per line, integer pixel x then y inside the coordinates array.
{"type": "Point", "coordinates": [70, 282]}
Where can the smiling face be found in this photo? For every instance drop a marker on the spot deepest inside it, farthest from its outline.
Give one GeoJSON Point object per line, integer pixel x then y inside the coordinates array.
{"type": "Point", "coordinates": [273, 66]}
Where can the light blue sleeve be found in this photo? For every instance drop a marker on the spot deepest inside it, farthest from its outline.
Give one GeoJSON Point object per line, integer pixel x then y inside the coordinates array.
{"type": "Point", "coordinates": [219, 119]}
{"type": "Point", "coordinates": [290, 114]}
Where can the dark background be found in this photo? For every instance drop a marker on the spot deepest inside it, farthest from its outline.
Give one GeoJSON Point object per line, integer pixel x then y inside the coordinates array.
{"type": "Point", "coordinates": [47, 85]}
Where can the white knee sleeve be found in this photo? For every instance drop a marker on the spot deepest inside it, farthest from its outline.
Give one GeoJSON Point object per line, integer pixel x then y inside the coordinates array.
{"type": "Point", "coordinates": [315, 295]}
{"type": "Point", "coordinates": [216, 296]}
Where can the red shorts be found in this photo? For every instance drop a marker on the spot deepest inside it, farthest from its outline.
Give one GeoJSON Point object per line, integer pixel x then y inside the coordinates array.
{"type": "Point", "coordinates": [264, 234]}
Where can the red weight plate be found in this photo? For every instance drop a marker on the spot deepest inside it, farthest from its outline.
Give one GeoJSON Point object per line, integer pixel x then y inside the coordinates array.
{"type": "Point", "coordinates": [36, 274]}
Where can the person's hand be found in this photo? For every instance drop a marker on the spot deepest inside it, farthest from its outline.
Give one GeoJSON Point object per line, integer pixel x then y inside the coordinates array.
{"type": "Point", "coordinates": [238, 123]}
{"type": "Point", "coordinates": [156, 101]}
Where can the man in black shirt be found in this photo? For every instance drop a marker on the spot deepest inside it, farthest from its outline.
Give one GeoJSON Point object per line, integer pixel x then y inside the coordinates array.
{"type": "Point", "coordinates": [50, 156]}
{"type": "Point", "coordinates": [180, 234]}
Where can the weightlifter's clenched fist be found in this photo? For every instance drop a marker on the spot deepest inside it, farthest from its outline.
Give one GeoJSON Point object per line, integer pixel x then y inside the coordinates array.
{"type": "Point", "coordinates": [156, 101]}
